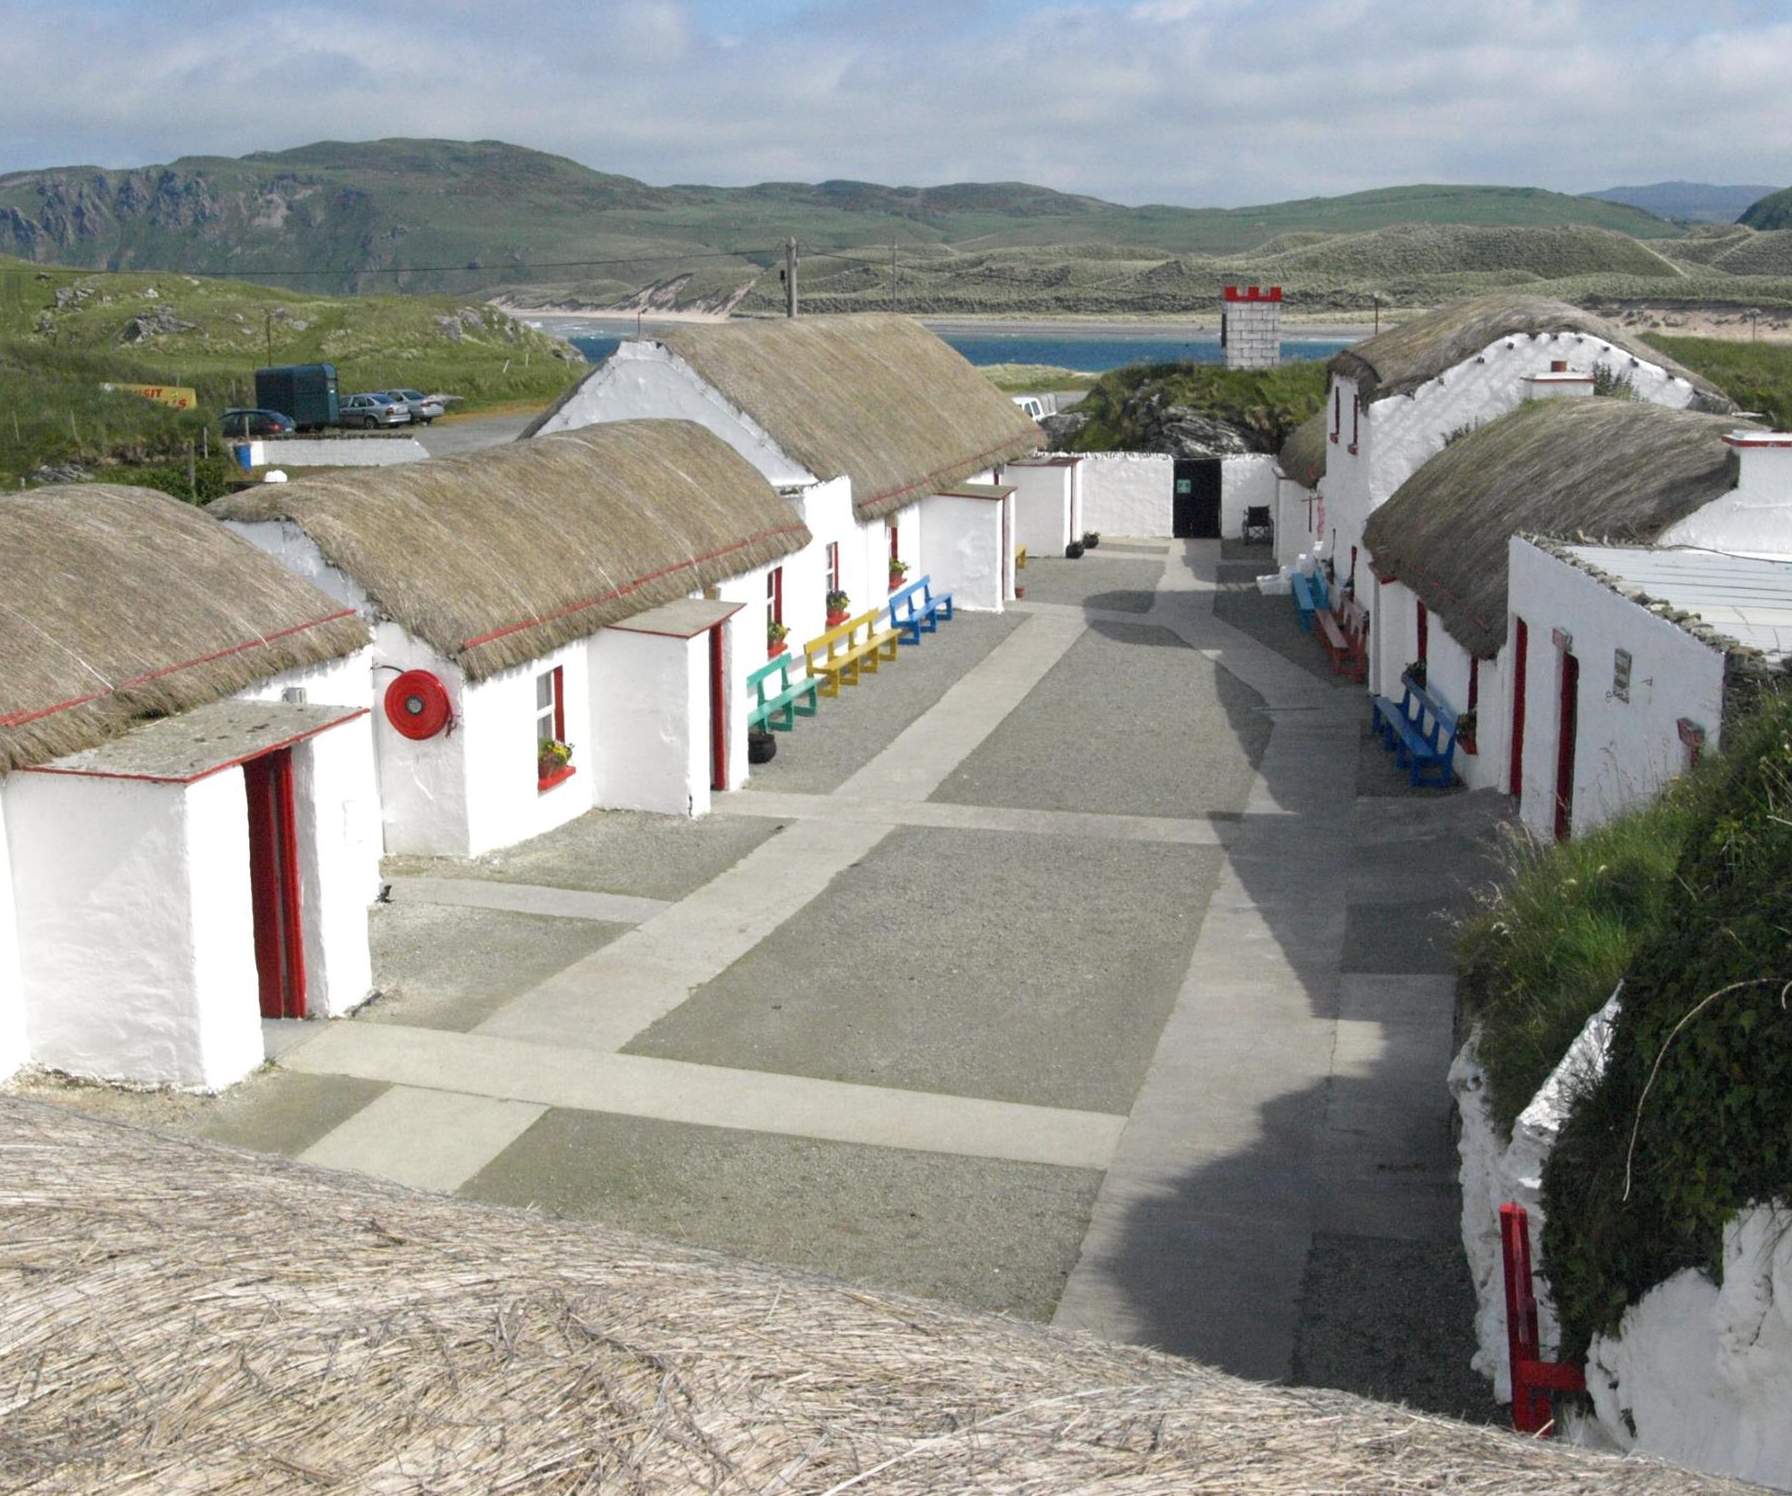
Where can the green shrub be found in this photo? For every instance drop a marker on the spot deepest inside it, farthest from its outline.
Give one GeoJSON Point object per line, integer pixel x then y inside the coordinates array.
{"type": "Point", "coordinates": [1264, 404]}
{"type": "Point", "coordinates": [1548, 946]}
{"type": "Point", "coordinates": [1757, 376]}
{"type": "Point", "coordinates": [1692, 1120]}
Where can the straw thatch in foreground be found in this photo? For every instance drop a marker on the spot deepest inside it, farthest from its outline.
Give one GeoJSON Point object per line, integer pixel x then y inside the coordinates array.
{"type": "Point", "coordinates": [1403, 358]}
{"type": "Point", "coordinates": [497, 557]}
{"type": "Point", "coordinates": [121, 604]}
{"type": "Point", "coordinates": [180, 1318]}
{"type": "Point", "coordinates": [1303, 455]}
{"type": "Point", "coordinates": [1619, 470]}
{"type": "Point", "coordinates": [878, 398]}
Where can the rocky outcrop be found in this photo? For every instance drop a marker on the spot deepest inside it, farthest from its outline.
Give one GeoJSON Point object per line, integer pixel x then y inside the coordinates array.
{"type": "Point", "coordinates": [153, 324]}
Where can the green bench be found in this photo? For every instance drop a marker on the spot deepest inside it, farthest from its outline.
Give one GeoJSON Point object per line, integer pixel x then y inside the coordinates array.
{"type": "Point", "coordinates": [779, 709]}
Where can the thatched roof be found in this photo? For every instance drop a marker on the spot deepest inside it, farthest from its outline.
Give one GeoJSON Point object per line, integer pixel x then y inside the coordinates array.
{"type": "Point", "coordinates": [121, 604]}
{"type": "Point", "coordinates": [1620, 470]}
{"type": "Point", "coordinates": [1405, 357]}
{"type": "Point", "coordinates": [499, 556]}
{"type": "Point", "coordinates": [1303, 455]}
{"type": "Point", "coordinates": [876, 397]}
{"type": "Point", "coordinates": [179, 1317]}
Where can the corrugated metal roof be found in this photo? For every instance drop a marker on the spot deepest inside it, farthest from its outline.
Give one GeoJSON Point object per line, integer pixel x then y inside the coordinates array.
{"type": "Point", "coordinates": [1745, 598]}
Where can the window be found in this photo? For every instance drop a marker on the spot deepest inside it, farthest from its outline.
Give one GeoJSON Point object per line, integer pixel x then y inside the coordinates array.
{"type": "Point", "coordinates": [1356, 413]}
{"type": "Point", "coordinates": [1352, 583]}
{"type": "Point", "coordinates": [553, 754]}
{"type": "Point", "coordinates": [895, 551]}
{"type": "Point", "coordinates": [834, 566]}
{"type": "Point", "coordinates": [1474, 682]}
{"type": "Point", "coordinates": [774, 597]}
{"type": "Point", "coordinates": [1337, 412]}
{"type": "Point", "coordinates": [1424, 631]}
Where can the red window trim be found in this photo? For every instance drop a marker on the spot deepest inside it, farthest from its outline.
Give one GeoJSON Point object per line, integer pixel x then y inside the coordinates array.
{"type": "Point", "coordinates": [1356, 412]}
{"type": "Point", "coordinates": [559, 776]}
{"type": "Point", "coordinates": [774, 595]}
{"type": "Point", "coordinates": [1337, 413]}
{"type": "Point", "coordinates": [895, 542]}
{"type": "Point", "coordinates": [1424, 632]}
{"type": "Point", "coordinates": [833, 555]}
{"type": "Point", "coordinates": [566, 771]}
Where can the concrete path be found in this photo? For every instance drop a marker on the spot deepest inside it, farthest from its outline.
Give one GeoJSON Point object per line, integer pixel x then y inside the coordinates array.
{"type": "Point", "coordinates": [1159, 1055]}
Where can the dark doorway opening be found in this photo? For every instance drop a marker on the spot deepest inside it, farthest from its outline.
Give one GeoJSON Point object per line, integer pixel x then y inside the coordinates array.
{"type": "Point", "coordinates": [718, 713]}
{"type": "Point", "coordinates": [1565, 746]}
{"type": "Point", "coordinates": [274, 885]}
{"type": "Point", "coordinates": [1195, 512]}
{"type": "Point", "coordinates": [1521, 650]}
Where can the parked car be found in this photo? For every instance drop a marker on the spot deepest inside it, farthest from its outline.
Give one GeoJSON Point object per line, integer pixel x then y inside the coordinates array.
{"type": "Point", "coordinates": [248, 421]}
{"type": "Point", "coordinates": [374, 410]}
{"type": "Point", "coordinates": [424, 408]}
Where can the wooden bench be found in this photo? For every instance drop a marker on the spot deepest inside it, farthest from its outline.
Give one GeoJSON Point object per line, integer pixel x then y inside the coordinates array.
{"type": "Point", "coordinates": [914, 609]}
{"type": "Point", "coordinates": [1332, 637]}
{"type": "Point", "coordinates": [1420, 730]}
{"type": "Point", "coordinates": [779, 708]}
{"type": "Point", "coordinates": [843, 652]}
{"type": "Point", "coordinates": [1353, 619]}
{"type": "Point", "coordinates": [1020, 558]}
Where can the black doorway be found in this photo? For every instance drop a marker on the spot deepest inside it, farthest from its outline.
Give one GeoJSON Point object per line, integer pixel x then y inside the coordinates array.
{"type": "Point", "coordinates": [1196, 511]}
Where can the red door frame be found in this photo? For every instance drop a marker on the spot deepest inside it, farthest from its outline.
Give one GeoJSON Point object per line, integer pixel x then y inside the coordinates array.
{"type": "Point", "coordinates": [718, 713]}
{"type": "Point", "coordinates": [1565, 734]}
{"type": "Point", "coordinates": [274, 885]}
{"type": "Point", "coordinates": [1521, 649]}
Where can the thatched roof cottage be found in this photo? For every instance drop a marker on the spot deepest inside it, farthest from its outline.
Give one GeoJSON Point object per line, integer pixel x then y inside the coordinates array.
{"type": "Point", "coordinates": [1396, 400]}
{"type": "Point", "coordinates": [871, 424]}
{"type": "Point", "coordinates": [1622, 471]}
{"type": "Point", "coordinates": [188, 816]}
{"type": "Point", "coordinates": [534, 598]}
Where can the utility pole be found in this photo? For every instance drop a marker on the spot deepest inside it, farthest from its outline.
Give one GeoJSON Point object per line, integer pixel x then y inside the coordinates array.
{"type": "Point", "coordinates": [892, 277]}
{"type": "Point", "coordinates": [270, 322]}
{"type": "Point", "coordinates": [790, 277]}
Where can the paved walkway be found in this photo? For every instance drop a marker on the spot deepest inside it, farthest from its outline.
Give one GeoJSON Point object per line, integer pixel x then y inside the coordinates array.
{"type": "Point", "coordinates": [1090, 986]}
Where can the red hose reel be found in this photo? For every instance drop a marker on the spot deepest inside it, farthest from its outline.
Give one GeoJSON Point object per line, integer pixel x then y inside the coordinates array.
{"type": "Point", "coordinates": [417, 705]}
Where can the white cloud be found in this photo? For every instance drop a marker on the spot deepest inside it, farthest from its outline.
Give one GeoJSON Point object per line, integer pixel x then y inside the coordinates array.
{"type": "Point", "coordinates": [1195, 101]}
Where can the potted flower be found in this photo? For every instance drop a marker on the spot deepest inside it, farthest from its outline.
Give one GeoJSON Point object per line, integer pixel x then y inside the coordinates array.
{"type": "Point", "coordinates": [1073, 551]}
{"type": "Point", "coordinates": [774, 639]}
{"type": "Point", "coordinates": [1091, 539]}
{"type": "Point", "coordinates": [1415, 672]}
{"type": "Point", "coordinates": [838, 603]}
{"type": "Point", "coordinates": [898, 570]}
{"type": "Point", "coordinates": [1465, 732]}
{"type": "Point", "coordinates": [551, 757]}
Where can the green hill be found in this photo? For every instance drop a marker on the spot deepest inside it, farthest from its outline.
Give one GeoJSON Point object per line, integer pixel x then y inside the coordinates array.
{"type": "Point", "coordinates": [1772, 212]}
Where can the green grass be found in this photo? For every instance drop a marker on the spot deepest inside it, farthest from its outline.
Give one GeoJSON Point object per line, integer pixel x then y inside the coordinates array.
{"type": "Point", "coordinates": [53, 358]}
{"type": "Point", "coordinates": [1264, 404]}
{"type": "Point", "coordinates": [1023, 379]}
{"type": "Point", "coordinates": [1548, 947]}
{"type": "Point", "coordinates": [1757, 376]}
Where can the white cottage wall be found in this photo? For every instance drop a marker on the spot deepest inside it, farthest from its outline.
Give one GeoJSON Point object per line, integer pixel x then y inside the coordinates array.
{"type": "Point", "coordinates": [504, 804]}
{"type": "Point", "coordinates": [1299, 513]}
{"type": "Point", "coordinates": [422, 782]}
{"type": "Point", "coordinates": [1755, 518]}
{"type": "Point", "coordinates": [962, 551]}
{"type": "Point", "coordinates": [653, 693]}
{"type": "Point", "coordinates": [288, 544]}
{"type": "Point", "coordinates": [338, 828]}
{"type": "Point", "coordinates": [1625, 752]}
{"type": "Point", "coordinates": [1128, 493]}
{"type": "Point", "coordinates": [1244, 482]}
{"type": "Point", "coordinates": [12, 992]}
{"type": "Point", "coordinates": [137, 937]}
{"type": "Point", "coordinates": [343, 682]}
{"type": "Point", "coordinates": [1043, 505]}
{"type": "Point", "coordinates": [747, 651]}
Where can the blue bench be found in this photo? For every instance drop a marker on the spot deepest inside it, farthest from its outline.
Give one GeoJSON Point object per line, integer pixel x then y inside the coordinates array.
{"type": "Point", "coordinates": [1300, 591]}
{"type": "Point", "coordinates": [1420, 731]}
{"type": "Point", "coordinates": [778, 706]}
{"type": "Point", "coordinates": [914, 609]}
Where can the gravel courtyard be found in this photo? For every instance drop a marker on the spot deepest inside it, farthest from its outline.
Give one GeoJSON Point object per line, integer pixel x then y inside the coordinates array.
{"type": "Point", "coordinates": [1083, 964]}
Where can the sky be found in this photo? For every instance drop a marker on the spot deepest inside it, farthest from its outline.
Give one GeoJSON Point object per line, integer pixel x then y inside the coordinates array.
{"type": "Point", "coordinates": [1193, 102]}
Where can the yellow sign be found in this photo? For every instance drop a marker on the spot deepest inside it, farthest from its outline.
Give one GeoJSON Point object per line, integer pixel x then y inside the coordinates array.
{"type": "Point", "coordinates": [179, 396]}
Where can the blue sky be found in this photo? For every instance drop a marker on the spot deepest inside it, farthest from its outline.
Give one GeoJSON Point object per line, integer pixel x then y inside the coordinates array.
{"type": "Point", "coordinates": [1185, 101]}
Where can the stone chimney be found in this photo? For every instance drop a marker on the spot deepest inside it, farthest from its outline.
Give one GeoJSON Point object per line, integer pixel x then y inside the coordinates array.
{"type": "Point", "coordinates": [1251, 327]}
{"type": "Point", "coordinates": [1559, 383]}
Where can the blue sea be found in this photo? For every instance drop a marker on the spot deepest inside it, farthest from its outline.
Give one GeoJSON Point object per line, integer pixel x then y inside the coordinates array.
{"type": "Point", "coordinates": [1092, 353]}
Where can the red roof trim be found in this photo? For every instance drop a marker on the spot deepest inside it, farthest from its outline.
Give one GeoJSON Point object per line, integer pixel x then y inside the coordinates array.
{"type": "Point", "coordinates": [20, 718]}
{"type": "Point", "coordinates": [626, 587]}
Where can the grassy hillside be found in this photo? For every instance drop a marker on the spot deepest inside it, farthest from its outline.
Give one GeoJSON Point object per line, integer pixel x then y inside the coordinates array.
{"type": "Point", "coordinates": [1773, 211]}
{"type": "Point", "coordinates": [63, 333]}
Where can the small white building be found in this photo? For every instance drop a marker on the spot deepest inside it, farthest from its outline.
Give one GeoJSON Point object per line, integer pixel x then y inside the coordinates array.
{"type": "Point", "coordinates": [546, 595]}
{"type": "Point", "coordinates": [189, 823]}
{"type": "Point", "coordinates": [867, 424]}
{"type": "Point", "coordinates": [1397, 400]}
{"type": "Point", "coordinates": [1622, 470]}
{"type": "Point", "coordinates": [1158, 496]}
{"type": "Point", "coordinates": [1299, 509]}
{"type": "Point", "coordinates": [1640, 659]}
{"type": "Point", "coordinates": [1048, 502]}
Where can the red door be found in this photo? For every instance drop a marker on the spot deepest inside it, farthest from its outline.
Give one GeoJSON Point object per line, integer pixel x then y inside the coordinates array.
{"type": "Point", "coordinates": [1565, 746]}
{"type": "Point", "coordinates": [1521, 642]}
{"type": "Point", "coordinates": [718, 714]}
{"type": "Point", "coordinates": [274, 885]}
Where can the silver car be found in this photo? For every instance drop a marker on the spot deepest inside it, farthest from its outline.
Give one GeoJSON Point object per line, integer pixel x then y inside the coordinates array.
{"type": "Point", "coordinates": [424, 408]}
{"type": "Point", "coordinates": [374, 410]}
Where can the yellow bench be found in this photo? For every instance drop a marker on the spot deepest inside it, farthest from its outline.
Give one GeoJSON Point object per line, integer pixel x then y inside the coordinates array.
{"type": "Point", "coordinates": [1020, 558]}
{"type": "Point", "coordinates": [842, 652]}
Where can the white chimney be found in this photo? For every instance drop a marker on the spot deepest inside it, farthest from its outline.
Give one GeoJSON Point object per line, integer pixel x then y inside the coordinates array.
{"type": "Point", "coordinates": [1559, 383]}
{"type": "Point", "coordinates": [1755, 517]}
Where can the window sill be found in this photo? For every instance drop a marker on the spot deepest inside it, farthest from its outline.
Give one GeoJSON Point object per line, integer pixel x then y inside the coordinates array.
{"type": "Point", "coordinates": [1333, 438]}
{"type": "Point", "coordinates": [1351, 449]}
{"type": "Point", "coordinates": [559, 776]}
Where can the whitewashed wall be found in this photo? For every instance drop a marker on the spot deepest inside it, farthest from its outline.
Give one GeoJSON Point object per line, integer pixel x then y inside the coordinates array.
{"type": "Point", "coordinates": [422, 783]}
{"type": "Point", "coordinates": [962, 551]}
{"type": "Point", "coordinates": [1447, 667]}
{"type": "Point", "coordinates": [1754, 519]}
{"type": "Point", "coordinates": [1128, 493]}
{"type": "Point", "coordinates": [1044, 498]}
{"type": "Point", "coordinates": [1625, 751]}
{"type": "Point", "coordinates": [12, 995]}
{"type": "Point", "coordinates": [298, 553]}
{"type": "Point", "coordinates": [654, 699]}
{"type": "Point", "coordinates": [1298, 512]}
{"type": "Point", "coordinates": [348, 681]}
{"type": "Point", "coordinates": [1245, 481]}
{"type": "Point", "coordinates": [139, 957]}
{"type": "Point", "coordinates": [337, 822]}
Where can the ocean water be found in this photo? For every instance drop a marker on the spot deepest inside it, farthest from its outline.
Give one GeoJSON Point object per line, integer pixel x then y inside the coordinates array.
{"type": "Point", "coordinates": [1091, 353]}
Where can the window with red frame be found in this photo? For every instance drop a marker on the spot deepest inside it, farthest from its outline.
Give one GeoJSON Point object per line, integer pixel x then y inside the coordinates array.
{"type": "Point", "coordinates": [550, 727]}
{"type": "Point", "coordinates": [1424, 632]}
{"type": "Point", "coordinates": [1356, 415]}
{"type": "Point", "coordinates": [895, 549]}
{"type": "Point", "coordinates": [774, 598]}
{"type": "Point", "coordinates": [834, 566]}
{"type": "Point", "coordinates": [1337, 412]}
